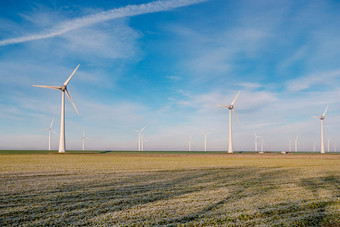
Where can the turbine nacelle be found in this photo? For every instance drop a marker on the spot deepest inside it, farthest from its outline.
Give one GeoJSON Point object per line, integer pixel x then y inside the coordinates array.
{"type": "Point", "coordinates": [63, 88]}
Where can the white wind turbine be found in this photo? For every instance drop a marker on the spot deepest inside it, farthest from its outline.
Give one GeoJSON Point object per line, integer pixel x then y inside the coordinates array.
{"type": "Point", "coordinates": [190, 139]}
{"type": "Point", "coordinates": [63, 89]}
{"type": "Point", "coordinates": [322, 118]}
{"type": "Point", "coordinates": [205, 134]}
{"type": "Point", "coordinates": [290, 145]}
{"type": "Point", "coordinates": [261, 137]}
{"type": "Point", "coordinates": [296, 143]}
{"type": "Point", "coordinates": [50, 130]}
{"type": "Point", "coordinates": [256, 137]}
{"type": "Point", "coordinates": [231, 108]}
{"type": "Point", "coordinates": [328, 145]}
{"type": "Point", "coordinates": [140, 139]}
{"type": "Point", "coordinates": [314, 144]}
{"type": "Point", "coordinates": [83, 140]}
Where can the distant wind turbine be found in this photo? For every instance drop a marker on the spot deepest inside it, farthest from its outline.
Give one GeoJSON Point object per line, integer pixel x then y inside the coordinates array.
{"type": "Point", "coordinates": [205, 140]}
{"type": "Point", "coordinates": [314, 144]}
{"type": "Point", "coordinates": [296, 143]}
{"type": "Point", "coordinates": [63, 89]}
{"type": "Point", "coordinates": [140, 139]}
{"type": "Point", "coordinates": [328, 145]}
{"type": "Point", "coordinates": [290, 145]}
{"type": "Point", "coordinates": [190, 143]}
{"type": "Point", "coordinates": [50, 130]}
{"type": "Point", "coordinates": [83, 140]}
{"type": "Point", "coordinates": [261, 137]}
{"type": "Point", "coordinates": [322, 118]}
{"type": "Point", "coordinates": [231, 108]}
{"type": "Point", "coordinates": [256, 137]}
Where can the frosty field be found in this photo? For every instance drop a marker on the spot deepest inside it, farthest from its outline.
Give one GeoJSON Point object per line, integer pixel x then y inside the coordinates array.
{"type": "Point", "coordinates": [122, 188]}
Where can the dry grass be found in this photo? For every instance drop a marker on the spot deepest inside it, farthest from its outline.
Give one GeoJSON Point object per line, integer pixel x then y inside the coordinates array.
{"type": "Point", "coordinates": [192, 190]}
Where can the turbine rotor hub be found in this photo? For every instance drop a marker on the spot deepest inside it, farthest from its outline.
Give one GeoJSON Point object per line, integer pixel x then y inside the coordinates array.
{"type": "Point", "coordinates": [63, 88]}
{"type": "Point", "coordinates": [322, 118]}
{"type": "Point", "coordinates": [230, 107]}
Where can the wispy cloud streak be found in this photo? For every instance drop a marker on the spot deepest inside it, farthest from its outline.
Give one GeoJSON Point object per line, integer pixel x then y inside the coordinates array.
{"type": "Point", "coordinates": [127, 11]}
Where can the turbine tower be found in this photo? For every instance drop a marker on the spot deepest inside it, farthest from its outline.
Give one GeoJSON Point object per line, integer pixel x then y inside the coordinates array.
{"type": "Point", "coordinates": [140, 139]}
{"type": "Point", "coordinates": [190, 143]}
{"type": "Point", "coordinates": [83, 140]}
{"type": "Point", "coordinates": [322, 118]}
{"type": "Point", "coordinates": [261, 137]}
{"type": "Point", "coordinates": [296, 143]}
{"type": "Point", "coordinates": [256, 137]}
{"type": "Point", "coordinates": [328, 146]}
{"type": "Point", "coordinates": [290, 145]}
{"type": "Point", "coordinates": [231, 108]}
{"type": "Point", "coordinates": [63, 89]}
{"type": "Point", "coordinates": [205, 140]}
{"type": "Point", "coordinates": [314, 146]}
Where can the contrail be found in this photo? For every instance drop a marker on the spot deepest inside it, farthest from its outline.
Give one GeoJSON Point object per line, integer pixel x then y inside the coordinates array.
{"type": "Point", "coordinates": [127, 11]}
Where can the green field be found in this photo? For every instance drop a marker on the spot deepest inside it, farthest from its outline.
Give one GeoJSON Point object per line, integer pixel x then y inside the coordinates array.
{"type": "Point", "coordinates": [168, 188]}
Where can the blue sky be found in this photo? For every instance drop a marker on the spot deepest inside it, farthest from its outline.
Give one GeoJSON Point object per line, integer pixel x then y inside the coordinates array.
{"type": "Point", "coordinates": [165, 65]}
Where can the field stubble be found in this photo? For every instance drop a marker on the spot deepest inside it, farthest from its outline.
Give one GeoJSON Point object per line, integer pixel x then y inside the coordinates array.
{"type": "Point", "coordinates": [301, 190]}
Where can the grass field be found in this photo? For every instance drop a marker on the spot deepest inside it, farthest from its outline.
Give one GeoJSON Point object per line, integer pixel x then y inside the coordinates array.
{"type": "Point", "coordinates": [169, 188]}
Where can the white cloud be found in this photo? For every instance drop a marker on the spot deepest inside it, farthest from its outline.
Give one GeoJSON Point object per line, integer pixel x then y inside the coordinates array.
{"type": "Point", "coordinates": [317, 80]}
{"type": "Point", "coordinates": [127, 11]}
{"type": "Point", "coordinates": [173, 77]}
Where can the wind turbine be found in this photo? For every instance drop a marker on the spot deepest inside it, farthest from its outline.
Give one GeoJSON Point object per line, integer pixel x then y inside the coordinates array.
{"type": "Point", "coordinates": [190, 143]}
{"type": "Point", "coordinates": [50, 130]}
{"type": "Point", "coordinates": [314, 146]}
{"type": "Point", "coordinates": [261, 137]}
{"type": "Point", "coordinates": [256, 137]}
{"type": "Point", "coordinates": [231, 108]}
{"type": "Point", "coordinates": [290, 145]}
{"type": "Point", "coordinates": [63, 89]}
{"type": "Point", "coordinates": [322, 118]}
{"type": "Point", "coordinates": [205, 140]}
{"type": "Point", "coordinates": [140, 139]}
{"type": "Point", "coordinates": [83, 140]}
{"type": "Point", "coordinates": [296, 143]}
{"type": "Point", "coordinates": [328, 146]}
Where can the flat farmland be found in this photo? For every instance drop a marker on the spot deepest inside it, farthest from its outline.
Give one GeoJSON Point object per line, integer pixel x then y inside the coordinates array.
{"type": "Point", "coordinates": [169, 189]}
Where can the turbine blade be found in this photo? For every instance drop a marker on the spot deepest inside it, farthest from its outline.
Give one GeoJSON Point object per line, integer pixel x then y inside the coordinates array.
{"type": "Point", "coordinates": [44, 86]}
{"type": "Point", "coordinates": [238, 121]}
{"type": "Point", "coordinates": [69, 96]}
{"type": "Point", "coordinates": [51, 123]}
{"type": "Point", "coordinates": [235, 98]}
{"type": "Point", "coordinates": [316, 117]}
{"type": "Point", "coordinates": [325, 111]}
{"type": "Point", "coordinates": [54, 132]}
{"type": "Point", "coordinates": [68, 80]}
{"type": "Point", "coordinates": [222, 106]}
